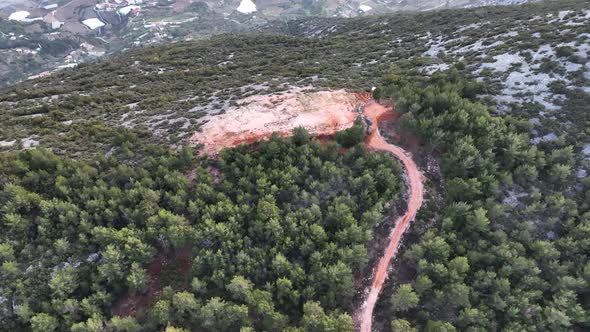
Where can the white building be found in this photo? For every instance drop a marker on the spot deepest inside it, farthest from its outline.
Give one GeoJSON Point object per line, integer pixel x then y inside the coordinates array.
{"type": "Point", "coordinates": [129, 9]}
{"type": "Point", "coordinates": [365, 8]}
{"type": "Point", "coordinates": [56, 25]}
{"type": "Point", "coordinates": [19, 16]}
{"type": "Point", "coordinates": [247, 7]}
{"type": "Point", "coordinates": [93, 23]}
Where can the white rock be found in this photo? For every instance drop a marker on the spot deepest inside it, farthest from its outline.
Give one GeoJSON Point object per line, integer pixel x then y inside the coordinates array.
{"type": "Point", "coordinates": [431, 69]}
{"type": "Point", "coordinates": [7, 143]}
{"type": "Point", "coordinates": [562, 14]}
{"type": "Point", "coordinates": [92, 257]}
{"type": "Point", "coordinates": [547, 138]}
{"type": "Point", "coordinates": [29, 142]}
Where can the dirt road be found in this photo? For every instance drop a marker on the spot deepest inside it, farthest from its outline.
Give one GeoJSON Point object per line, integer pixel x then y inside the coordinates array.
{"type": "Point", "coordinates": [414, 178]}
{"type": "Point", "coordinates": [321, 113]}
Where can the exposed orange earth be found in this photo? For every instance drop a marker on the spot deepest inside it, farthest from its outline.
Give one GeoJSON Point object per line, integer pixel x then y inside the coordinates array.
{"type": "Point", "coordinates": [257, 117]}
{"type": "Point", "coordinates": [321, 113]}
{"type": "Point", "coordinates": [416, 191]}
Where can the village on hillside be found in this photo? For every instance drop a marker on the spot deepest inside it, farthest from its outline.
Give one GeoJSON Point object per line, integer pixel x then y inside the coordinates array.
{"type": "Point", "coordinates": [38, 37]}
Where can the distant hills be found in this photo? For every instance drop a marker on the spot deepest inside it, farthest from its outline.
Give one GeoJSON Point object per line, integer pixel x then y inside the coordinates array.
{"type": "Point", "coordinates": [38, 37]}
{"type": "Point", "coordinates": [532, 61]}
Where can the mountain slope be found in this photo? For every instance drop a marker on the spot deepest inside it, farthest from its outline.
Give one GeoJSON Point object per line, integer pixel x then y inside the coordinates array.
{"type": "Point", "coordinates": [166, 90]}
{"type": "Point", "coordinates": [119, 234]}
{"type": "Point", "coordinates": [53, 36]}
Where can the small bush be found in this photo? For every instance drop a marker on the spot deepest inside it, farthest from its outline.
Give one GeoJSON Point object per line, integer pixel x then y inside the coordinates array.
{"type": "Point", "coordinates": [565, 51]}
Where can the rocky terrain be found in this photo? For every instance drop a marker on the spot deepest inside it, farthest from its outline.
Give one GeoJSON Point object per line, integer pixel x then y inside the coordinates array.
{"type": "Point", "coordinates": [121, 211]}
{"type": "Point", "coordinates": [533, 61]}
{"type": "Point", "coordinates": [39, 37]}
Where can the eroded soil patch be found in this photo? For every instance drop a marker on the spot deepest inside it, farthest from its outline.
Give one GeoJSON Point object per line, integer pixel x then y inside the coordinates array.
{"type": "Point", "coordinates": [257, 117]}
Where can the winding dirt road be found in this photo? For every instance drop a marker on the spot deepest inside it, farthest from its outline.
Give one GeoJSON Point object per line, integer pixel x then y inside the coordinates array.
{"type": "Point", "coordinates": [321, 113]}
{"type": "Point", "coordinates": [414, 178]}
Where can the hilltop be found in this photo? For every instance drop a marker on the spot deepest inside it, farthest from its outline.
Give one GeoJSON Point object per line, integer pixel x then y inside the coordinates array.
{"type": "Point", "coordinates": [532, 61]}
{"type": "Point", "coordinates": [415, 171]}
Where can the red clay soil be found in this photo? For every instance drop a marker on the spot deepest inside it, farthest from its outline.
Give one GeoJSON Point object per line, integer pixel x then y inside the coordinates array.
{"type": "Point", "coordinates": [257, 117]}
{"type": "Point", "coordinates": [414, 177]}
{"type": "Point", "coordinates": [133, 304]}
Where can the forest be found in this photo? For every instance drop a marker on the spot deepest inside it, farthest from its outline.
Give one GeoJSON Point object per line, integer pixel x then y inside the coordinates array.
{"type": "Point", "coordinates": [272, 236]}
{"type": "Point", "coordinates": [509, 248]}
{"type": "Point", "coordinates": [267, 237]}
{"type": "Point", "coordinates": [114, 223]}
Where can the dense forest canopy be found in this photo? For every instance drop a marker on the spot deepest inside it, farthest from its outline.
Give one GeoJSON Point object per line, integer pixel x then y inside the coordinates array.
{"type": "Point", "coordinates": [272, 236]}
{"type": "Point", "coordinates": [509, 249]}
{"type": "Point", "coordinates": [275, 233]}
{"type": "Point", "coordinates": [114, 224]}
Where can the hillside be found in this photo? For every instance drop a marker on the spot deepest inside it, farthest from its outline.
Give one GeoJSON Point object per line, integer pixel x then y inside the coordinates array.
{"type": "Point", "coordinates": [38, 37]}
{"type": "Point", "coordinates": [165, 90]}
{"type": "Point", "coordinates": [127, 202]}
